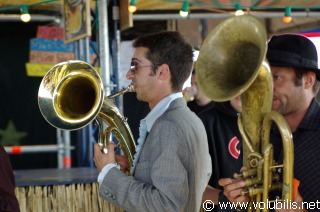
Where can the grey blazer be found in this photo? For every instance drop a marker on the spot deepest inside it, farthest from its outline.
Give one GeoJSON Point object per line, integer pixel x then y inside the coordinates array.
{"type": "Point", "coordinates": [173, 169]}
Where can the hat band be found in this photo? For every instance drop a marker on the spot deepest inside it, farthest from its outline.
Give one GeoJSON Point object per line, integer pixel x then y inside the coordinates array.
{"type": "Point", "coordinates": [290, 59]}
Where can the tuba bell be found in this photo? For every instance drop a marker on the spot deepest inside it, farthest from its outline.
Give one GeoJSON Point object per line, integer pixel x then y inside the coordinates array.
{"type": "Point", "coordinates": [232, 62]}
{"type": "Point", "coordinates": [71, 96]}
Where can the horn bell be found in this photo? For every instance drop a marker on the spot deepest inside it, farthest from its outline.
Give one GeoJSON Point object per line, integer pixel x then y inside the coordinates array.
{"type": "Point", "coordinates": [70, 95]}
{"type": "Point", "coordinates": [230, 57]}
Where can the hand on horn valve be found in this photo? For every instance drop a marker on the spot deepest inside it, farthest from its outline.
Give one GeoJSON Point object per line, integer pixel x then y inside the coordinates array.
{"type": "Point", "coordinates": [102, 159]}
{"type": "Point", "coordinates": [232, 189]}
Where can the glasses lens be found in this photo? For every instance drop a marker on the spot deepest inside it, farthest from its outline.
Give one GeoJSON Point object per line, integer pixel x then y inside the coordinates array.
{"type": "Point", "coordinates": [133, 67]}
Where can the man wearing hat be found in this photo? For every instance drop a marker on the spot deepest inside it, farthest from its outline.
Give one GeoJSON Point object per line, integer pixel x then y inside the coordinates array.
{"type": "Point", "coordinates": [294, 64]}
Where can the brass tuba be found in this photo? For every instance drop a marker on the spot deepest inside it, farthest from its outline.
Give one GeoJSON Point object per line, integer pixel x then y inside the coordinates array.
{"type": "Point", "coordinates": [232, 62]}
{"type": "Point", "coordinates": [71, 96]}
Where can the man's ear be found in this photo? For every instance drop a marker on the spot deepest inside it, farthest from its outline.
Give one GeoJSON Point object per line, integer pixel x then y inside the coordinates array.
{"type": "Point", "coordinates": [310, 79]}
{"type": "Point", "coordinates": [164, 71]}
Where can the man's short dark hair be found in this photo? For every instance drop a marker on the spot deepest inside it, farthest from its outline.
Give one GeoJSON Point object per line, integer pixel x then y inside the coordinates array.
{"type": "Point", "coordinates": [171, 48]}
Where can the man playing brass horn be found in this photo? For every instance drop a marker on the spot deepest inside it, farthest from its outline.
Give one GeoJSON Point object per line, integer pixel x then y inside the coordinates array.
{"type": "Point", "coordinates": [172, 165]}
{"type": "Point", "coordinates": [294, 65]}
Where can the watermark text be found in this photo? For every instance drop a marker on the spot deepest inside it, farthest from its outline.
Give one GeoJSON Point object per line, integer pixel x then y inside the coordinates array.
{"type": "Point", "coordinates": [275, 204]}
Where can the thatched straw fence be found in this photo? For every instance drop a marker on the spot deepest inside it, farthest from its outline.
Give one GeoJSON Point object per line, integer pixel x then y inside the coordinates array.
{"type": "Point", "coordinates": [60, 191]}
{"type": "Point", "coordinates": [66, 198]}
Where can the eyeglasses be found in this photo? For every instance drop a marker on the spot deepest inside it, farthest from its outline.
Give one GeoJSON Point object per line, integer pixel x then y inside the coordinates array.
{"type": "Point", "coordinates": [134, 67]}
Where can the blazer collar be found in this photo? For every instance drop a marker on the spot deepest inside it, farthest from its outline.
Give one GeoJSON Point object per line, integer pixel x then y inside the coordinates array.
{"type": "Point", "coordinates": [160, 108]}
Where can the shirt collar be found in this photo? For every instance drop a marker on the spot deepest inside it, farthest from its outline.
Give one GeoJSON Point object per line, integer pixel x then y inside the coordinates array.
{"type": "Point", "coordinates": [311, 119]}
{"type": "Point", "coordinates": [160, 108]}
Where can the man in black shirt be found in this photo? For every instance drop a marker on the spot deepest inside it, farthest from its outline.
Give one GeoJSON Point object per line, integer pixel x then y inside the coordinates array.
{"type": "Point", "coordinates": [224, 139]}
{"type": "Point", "coordinates": [225, 144]}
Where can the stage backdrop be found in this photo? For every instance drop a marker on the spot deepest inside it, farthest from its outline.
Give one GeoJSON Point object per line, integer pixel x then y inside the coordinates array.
{"type": "Point", "coordinates": [21, 122]}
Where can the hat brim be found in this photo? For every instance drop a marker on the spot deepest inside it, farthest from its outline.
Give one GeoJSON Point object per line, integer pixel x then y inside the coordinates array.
{"type": "Point", "coordinates": [279, 64]}
{"type": "Point", "coordinates": [288, 59]}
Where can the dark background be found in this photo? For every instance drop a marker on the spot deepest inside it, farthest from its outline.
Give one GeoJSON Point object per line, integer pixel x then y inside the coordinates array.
{"type": "Point", "coordinates": [19, 93]}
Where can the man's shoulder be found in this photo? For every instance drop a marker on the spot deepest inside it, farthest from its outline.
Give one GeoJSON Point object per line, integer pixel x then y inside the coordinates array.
{"type": "Point", "coordinates": [216, 109]}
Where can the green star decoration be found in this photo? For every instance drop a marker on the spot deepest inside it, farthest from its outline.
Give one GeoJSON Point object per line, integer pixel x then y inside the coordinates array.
{"type": "Point", "coordinates": [10, 136]}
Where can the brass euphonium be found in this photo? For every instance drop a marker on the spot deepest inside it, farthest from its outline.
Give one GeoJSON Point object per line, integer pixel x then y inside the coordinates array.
{"type": "Point", "coordinates": [71, 96]}
{"type": "Point", "coordinates": [232, 62]}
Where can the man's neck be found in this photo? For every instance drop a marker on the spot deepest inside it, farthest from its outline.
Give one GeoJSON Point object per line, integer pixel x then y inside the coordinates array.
{"type": "Point", "coordinates": [203, 101]}
{"type": "Point", "coordinates": [294, 119]}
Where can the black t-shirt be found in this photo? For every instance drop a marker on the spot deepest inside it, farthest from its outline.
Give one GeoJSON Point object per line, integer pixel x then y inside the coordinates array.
{"type": "Point", "coordinates": [224, 141]}
{"type": "Point", "coordinates": [194, 107]}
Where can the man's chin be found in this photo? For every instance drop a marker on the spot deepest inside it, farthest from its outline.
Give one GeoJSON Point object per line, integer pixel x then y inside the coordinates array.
{"type": "Point", "coordinates": [275, 106]}
{"type": "Point", "coordinates": [140, 98]}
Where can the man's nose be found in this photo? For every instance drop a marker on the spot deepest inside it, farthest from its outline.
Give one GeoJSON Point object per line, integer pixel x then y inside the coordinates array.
{"type": "Point", "coordinates": [129, 75]}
